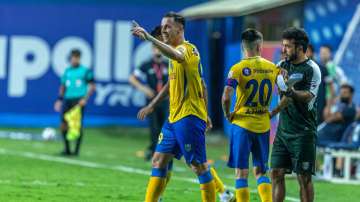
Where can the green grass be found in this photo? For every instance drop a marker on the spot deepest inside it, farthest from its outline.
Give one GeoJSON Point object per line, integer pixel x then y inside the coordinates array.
{"type": "Point", "coordinates": [23, 178]}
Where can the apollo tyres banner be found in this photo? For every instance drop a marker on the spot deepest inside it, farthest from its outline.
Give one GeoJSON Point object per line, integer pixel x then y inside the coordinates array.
{"type": "Point", "coordinates": [35, 42]}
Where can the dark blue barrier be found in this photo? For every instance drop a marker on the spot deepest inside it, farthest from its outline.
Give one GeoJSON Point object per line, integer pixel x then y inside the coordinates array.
{"type": "Point", "coordinates": [35, 43]}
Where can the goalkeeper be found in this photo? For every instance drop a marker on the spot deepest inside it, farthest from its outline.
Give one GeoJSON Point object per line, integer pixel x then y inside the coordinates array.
{"type": "Point", "coordinates": [77, 85]}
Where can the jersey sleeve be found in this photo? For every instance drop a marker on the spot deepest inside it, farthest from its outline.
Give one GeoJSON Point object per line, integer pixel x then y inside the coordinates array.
{"type": "Point", "coordinates": [327, 78]}
{"type": "Point", "coordinates": [313, 80]}
{"type": "Point", "coordinates": [185, 50]}
{"type": "Point", "coordinates": [233, 77]}
{"type": "Point", "coordinates": [140, 73]}
{"type": "Point", "coordinates": [201, 71]}
{"type": "Point", "coordinates": [281, 64]}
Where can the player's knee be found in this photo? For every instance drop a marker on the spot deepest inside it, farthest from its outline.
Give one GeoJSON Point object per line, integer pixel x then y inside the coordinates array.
{"type": "Point", "coordinates": [199, 168]}
{"type": "Point", "coordinates": [277, 175]}
{"type": "Point", "coordinates": [158, 161]}
{"type": "Point", "coordinates": [241, 173]}
{"type": "Point", "coordinates": [304, 179]}
{"type": "Point", "coordinates": [258, 172]}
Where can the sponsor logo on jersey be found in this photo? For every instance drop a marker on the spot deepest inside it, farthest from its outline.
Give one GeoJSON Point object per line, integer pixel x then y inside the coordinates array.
{"type": "Point", "coordinates": [306, 165]}
{"type": "Point", "coordinates": [246, 71]}
{"type": "Point", "coordinates": [187, 147]}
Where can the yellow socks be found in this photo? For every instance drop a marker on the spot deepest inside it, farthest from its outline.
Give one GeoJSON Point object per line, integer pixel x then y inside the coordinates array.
{"type": "Point", "coordinates": [168, 177]}
{"type": "Point", "coordinates": [242, 191]}
{"type": "Point", "coordinates": [156, 185]}
{"type": "Point", "coordinates": [264, 189]}
{"type": "Point", "coordinates": [218, 183]}
{"type": "Point", "coordinates": [207, 187]}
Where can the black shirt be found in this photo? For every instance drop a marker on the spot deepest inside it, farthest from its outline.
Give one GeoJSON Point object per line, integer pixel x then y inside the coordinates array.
{"type": "Point", "coordinates": [299, 117]}
{"type": "Point", "coordinates": [321, 97]}
{"type": "Point", "coordinates": [155, 74]}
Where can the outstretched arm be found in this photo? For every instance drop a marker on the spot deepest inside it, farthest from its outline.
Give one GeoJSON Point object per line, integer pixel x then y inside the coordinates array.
{"type": "Point", "coordinates": [167, 50]}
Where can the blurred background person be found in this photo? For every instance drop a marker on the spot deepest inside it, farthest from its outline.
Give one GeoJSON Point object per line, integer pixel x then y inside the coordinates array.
{"type": "Point", "coordinates": [154, 73]}
{"type": "Point", "coordinates": [77, 85]}
{"type": "Point", "coordinates": [336, 73]}
{"type": "Point", "coordinates": [326, 83]}
{"type": "Point", "coordinates": [338, 117]}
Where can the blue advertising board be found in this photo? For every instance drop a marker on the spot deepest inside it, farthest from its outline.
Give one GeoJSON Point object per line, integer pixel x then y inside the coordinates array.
{"type": "Point", "coordinates": [35, 42]}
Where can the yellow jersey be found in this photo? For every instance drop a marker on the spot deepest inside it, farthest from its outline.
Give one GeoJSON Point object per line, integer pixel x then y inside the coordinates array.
{"type": "Point", "coordinates": [254, 79]}
{"type": "Point", "coordinates": [185, 88]}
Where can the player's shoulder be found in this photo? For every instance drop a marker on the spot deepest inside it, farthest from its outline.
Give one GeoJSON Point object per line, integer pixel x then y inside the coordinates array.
{"type": "Point", "coordinates": [186, 45]}
{"type": "Point", "coordinates": [84, 69]}
{"type": "Point", "coordinates": [312, 64]}
{"type": "Point", "coordinates": [191, 48]}
{"type": "Point", "coordinates": [282, 63]}
{"type": "Point", "coordinates": [188, 48]}
{"type": "Point", "coordinates": [189, 44]}
{"type": "Point", "coordinates": [267, 63]}
{"type": "Point", "coordinates": [146, 65]}
{"type": "Point", "coordinates": [68, 69]}
{"type": "Point", "coordinates": [313, 67]}
{"type": "Point", "coordinates": [239, 65]}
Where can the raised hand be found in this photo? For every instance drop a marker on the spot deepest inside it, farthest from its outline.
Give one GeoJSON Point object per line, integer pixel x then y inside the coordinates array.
{"type": "Point", "coordinates": [138, 31]}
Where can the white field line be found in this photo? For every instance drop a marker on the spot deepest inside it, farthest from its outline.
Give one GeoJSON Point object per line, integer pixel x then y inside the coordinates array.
{"type": "Point", "coordinates": [89, 164]}
{"type": "Point", "coordinates": [50, 184]}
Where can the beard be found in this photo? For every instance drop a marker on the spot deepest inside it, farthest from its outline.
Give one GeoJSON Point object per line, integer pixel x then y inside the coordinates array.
{"type": "Point", "coordinates": [291, 57]}
{"type": "Point", "coordinates": [166, 39]}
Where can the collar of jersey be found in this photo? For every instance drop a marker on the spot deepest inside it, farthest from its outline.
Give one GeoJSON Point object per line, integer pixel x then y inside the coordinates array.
{"type": "Point", "coordinates": [305, 61]}
{"type": "Point", "coordinates": [258, 56]}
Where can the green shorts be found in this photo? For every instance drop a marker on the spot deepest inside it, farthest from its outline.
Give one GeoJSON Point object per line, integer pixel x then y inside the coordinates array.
{"type": "Point", "coordinates": [294, 153]}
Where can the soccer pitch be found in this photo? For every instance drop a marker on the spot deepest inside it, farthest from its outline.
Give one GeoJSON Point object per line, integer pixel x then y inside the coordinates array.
{"type": "Point", "coordinates": [110, 168]}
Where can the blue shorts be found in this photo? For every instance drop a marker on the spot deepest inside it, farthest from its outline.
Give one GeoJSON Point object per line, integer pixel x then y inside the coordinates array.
{"type": "Point", "coordinates": [185, 137]}
{"type": "Point", "coordinates": [242, 142]}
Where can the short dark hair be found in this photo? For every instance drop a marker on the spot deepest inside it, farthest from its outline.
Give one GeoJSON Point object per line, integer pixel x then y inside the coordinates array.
{"type": "Point", "coordinates": [348, 86]}
{"type": "Point", "coordinates": [177, 17]}
{"type": "Point", "coordinates": [298, 35]}
{"type": "Point", "coordinates": [326, 46]}
{"type": "Point", "coordinates": [75, 53]}
{"type": "Point", "coordinates": [156, 32]}
{"type": "Point", "coordinates": [251, 35]}
{"type": "Point", "coordinates": [251, 38]}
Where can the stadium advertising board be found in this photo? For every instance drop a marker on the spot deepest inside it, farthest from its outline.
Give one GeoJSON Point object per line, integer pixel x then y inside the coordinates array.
{"type": "Point", "coordinates": [35, 42]}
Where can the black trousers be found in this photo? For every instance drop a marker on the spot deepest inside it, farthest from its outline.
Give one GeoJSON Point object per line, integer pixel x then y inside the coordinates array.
{"type": "Point", "coordinates": [68, 104]}
{"type": "Point", "coordinates": [156, 121]}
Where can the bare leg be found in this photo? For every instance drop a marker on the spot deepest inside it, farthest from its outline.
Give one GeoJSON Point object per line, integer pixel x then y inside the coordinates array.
{"type": "Point", "coordinates": [157, 182]}
{"type": "Point", "coordinates": [278, 184]}
{"type": "Point", "coordinates": [207, 183]}
{"type": "Point", "coordinates": [306, 187]}
{"type": "Point", "coordinates": [64, 128]}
